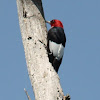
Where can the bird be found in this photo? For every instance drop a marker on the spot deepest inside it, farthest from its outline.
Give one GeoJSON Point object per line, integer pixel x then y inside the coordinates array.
{"type": "Point", "coordinates": [56, 40]}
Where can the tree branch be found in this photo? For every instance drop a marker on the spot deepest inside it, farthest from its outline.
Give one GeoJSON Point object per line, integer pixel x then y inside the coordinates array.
{"type": "Point", "coordinates": [27, 94]}
{"type": "Point", "coordinates": [44, 79]}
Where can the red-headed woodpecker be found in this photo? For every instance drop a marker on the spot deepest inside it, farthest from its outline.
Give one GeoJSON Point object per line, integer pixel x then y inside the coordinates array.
{"type": "Point", "coordinates": [56, 40]}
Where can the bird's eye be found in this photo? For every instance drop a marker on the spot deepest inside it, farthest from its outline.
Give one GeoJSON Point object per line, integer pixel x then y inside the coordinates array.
{"type": "Point", "coordinates": [52, 21]}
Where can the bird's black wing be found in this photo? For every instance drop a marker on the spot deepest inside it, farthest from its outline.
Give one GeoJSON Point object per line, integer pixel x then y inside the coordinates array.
{"type": "Point", "coordinates": [56, 34]}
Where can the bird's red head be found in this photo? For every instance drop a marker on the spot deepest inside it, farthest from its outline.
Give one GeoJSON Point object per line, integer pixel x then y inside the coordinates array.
{"type": "Point", "coordinates": [56, 23]}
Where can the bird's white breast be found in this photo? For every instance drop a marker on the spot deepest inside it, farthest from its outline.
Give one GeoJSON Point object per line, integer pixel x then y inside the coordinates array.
{"type": "Point", "coordinates": [56, 49]}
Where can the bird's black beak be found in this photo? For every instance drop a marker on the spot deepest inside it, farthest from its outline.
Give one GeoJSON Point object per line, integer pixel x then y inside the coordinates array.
{"type": "Point", "coordinates": [48, 22]}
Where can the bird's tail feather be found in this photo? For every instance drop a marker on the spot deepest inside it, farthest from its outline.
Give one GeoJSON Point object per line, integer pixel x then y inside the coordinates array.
{"type": "Point", "coordinates": [56, 64]}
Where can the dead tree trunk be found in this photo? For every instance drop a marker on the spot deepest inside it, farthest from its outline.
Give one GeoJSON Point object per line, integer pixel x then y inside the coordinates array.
{"type": "Point", "coordinates": [44, 80]}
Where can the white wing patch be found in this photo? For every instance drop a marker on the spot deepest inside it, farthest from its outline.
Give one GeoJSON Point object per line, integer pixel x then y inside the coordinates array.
{"type": "Point", "coordinates": [56, 49]}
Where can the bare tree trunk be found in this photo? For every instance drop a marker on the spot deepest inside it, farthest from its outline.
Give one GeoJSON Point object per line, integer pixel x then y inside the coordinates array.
{"type": "Point", "coordinates": [44, 80]}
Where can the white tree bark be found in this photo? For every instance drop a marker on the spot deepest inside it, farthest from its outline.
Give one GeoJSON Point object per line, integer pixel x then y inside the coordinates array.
{"type": "Point", "coordinates": [44, 80]}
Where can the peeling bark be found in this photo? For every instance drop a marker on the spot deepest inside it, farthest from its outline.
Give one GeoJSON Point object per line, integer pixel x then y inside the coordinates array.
{"type": "Point", "coordinates": [44, 79]}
